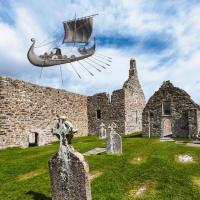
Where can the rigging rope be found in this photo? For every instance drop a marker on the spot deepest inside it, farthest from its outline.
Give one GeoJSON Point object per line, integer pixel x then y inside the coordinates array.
{"type": "Point", "coordinates": [46, 43]}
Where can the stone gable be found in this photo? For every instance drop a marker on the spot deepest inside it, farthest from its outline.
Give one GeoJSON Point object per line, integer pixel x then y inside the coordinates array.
{"type": "Point", "coordinates": [170, 107]}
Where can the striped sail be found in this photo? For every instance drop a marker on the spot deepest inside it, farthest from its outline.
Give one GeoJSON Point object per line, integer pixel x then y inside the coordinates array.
{"type": "Point", "coordinates": [79, 30]}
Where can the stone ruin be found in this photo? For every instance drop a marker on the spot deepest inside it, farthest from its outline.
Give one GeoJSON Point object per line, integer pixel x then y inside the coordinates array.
{"type": "Point", "coordinates": [114, 141]}
{"type": "Point", "coordinates": [171, 112]}
{"type": "Point", "coordinates": [28, 111]}
{"type": "Point", "coordinates": [124, 106]}
{"type": "Point", "coordinates": [69, 172]}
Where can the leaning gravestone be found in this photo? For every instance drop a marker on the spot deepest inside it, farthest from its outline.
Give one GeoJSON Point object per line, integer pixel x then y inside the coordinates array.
{"type": "Point", "coordinates": [102, 131]}
{"type": "Point", "coordinates": [69, 173]}
{"type": "Point", "coordinates": [114, 141]}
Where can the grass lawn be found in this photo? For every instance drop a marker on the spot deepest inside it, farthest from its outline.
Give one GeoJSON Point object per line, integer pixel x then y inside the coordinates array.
{"type": "Point", "coordinates": [145, 163]}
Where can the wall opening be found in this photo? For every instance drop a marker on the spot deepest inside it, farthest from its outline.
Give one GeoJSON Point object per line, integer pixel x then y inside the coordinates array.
{"type": "Point", "coordinates": [33, 139]}
{"type": "Point", "coordinates": [136, 117]}
{"type": "Point", "coordinates": [166, 128]}
{"type": "Point", "coordinates": [98, 114]}
{"type": "Point", "coordinates": [166, 108]}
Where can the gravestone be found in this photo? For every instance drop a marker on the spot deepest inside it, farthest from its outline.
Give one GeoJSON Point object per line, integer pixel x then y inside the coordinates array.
{"type": "Point", "coordinates": [114, 141]}
{"type": "Point", "coordinates": [69, 172]}
{"type": "Point", "coordinates": [102, 131]}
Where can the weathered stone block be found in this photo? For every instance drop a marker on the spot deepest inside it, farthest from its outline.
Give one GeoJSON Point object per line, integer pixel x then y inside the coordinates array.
{"type": "Point", "coordinates": [69, 177]}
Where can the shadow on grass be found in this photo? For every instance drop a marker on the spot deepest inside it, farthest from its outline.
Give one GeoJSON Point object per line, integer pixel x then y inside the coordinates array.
{"type": "Point", "coordinates": [133, 135]}
{"type": "Point", "coordinates": [38, 196]}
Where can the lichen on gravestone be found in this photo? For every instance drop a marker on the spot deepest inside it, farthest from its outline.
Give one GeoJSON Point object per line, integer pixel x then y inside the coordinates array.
{"type": "Point", "coordinates": [69, 172]}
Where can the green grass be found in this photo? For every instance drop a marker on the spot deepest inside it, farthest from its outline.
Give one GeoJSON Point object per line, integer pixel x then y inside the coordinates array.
{"type": "Point", "coordinates": [24, 172]}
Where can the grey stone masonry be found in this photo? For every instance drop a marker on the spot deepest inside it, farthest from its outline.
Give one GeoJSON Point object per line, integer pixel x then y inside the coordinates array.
{"type": "Point", "coordinates": [198, 121]}
{"type": "Point", "coordinates": [69, 172]}
{"type": "Point", "coordinates": [134, 101]}
{"type": "Point", "coordinates": [27, 112]}
{"type": "Point", "coordinates": [170, 111]}
{"type": "Point", "coordinates": [124, 107]}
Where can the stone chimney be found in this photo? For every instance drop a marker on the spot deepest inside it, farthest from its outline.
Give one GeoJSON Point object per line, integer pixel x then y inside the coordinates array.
{"type": "Point", "coordinates": [133, 80]}
{"type": "Point", "coordinates": [132, 70]}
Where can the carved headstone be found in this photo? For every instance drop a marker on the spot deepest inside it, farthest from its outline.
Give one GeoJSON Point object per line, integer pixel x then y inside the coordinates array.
{"type": "Point", "coordinates": [114, 141]}
{"type": "Point", "coordinates": [68, 169]}
{"type": "Point", "coordinates": [102, 131]}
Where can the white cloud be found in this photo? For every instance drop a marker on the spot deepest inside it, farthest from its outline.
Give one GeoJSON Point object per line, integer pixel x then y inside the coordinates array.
{"type": "Point", "coordinates": [133, 18]}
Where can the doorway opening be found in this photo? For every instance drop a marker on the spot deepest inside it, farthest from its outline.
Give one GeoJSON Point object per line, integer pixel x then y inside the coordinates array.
{"type": "Point", "coordinates": [33, 139]}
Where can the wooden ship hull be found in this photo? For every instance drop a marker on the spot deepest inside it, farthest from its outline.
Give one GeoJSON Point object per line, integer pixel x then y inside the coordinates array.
{"type": "Point", "coordinates": [40, 61]}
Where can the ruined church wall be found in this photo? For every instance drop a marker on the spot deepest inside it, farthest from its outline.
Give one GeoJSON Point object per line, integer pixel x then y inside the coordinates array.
{"type": "Point", "coordinates": [183, 112]}
{"type": "Point", "coordinates": [111, 109]}
{"type": "Point", "coordinates": [134, 101]}
{"type": "Point", "coordinates": [198, 121]}
{"type": "Point", "coordinates": [26, 108]}
{"type": "Point", "coordinates": [193, 121]}
{"type": "Point", "coordinates": [133, 112]}
{"type": "Point", "coordinates": [124, 107]}
{"type": "Point", "coordinates": [99, 102]}
{"type": "Point", "coordinates": [117, 110]}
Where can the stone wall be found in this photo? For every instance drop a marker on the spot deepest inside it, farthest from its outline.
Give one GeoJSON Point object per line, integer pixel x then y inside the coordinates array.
{"type": "Point", "coordinates": [112, 110]}
{"type": "Point", "coordinates": [124, 107]}
{"type": "Point", "coordinates": [134, 101]}
{"type": "Point", "coordinates": [198, 121]}
{"type": "Point", "coordinates": [182, 117]}
{"type": "Point", "coordinates": [97, 102]}
{"type": "Point", "coordinates": [192, 122]}
{"type": "Point", "coordinates": [29, 112]}
{"type": "Point", "coordinates": [118, 110]}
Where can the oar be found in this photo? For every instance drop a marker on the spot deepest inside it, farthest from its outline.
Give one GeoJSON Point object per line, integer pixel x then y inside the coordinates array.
{"type": "Point", "coordinates": [92, 65]}
{"type": "Point", "coordinates": [75, 70]}
{"type": "Point", "coordinates": [109, 60]}
{"type": "Point", "coordinates": [61, 74]}
{"type": "Point", "coordinates": [85, 68]}
{"type": "Point", "coordinates": [100, 61]}
{"type": "Point", "coordinates": [41, 72]}
{"type": "Point", "coordinates": [103, 55]}
{"type": "Point", "coordinates": [96, 63]}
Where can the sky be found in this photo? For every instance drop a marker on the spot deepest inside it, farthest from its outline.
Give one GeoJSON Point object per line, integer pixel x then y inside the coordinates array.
{"type": "Point", "coordinates": [162, 36]}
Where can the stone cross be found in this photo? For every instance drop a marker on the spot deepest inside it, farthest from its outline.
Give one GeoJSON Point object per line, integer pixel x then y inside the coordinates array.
{"type": "Point", "coordinates": [114, 141]}
{"type": "Point", "coordinates": [69, 172]}
{"type": "Point", "coordinates": [103, 133]}
{"type": "Point", "coordinates": [65, 131]}
{"type": "Point", "coordinates": [112, 127]}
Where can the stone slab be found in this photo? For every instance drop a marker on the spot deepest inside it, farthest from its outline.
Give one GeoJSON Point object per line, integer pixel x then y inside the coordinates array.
{"type": "Point", "coordinates": [196, 142]}
{"type": "Point", "coordinates": [95, 151]}
{"type": "Point", "coordinates": [166, 139]}
{"type": "Point", "coordinates": [192, 144]}
{"type": "Point", "coordinates": [181, 142]}
{"type": "Point", "coordinates": [69, 174]}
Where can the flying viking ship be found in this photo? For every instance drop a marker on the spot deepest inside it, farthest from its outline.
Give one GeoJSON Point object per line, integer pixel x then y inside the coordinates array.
{"type": "Point", "coordinates": [77, 33]}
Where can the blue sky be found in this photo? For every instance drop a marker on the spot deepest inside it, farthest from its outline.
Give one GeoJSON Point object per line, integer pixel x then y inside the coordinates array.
{"type": "Point", "coordinates": [163, 37]}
